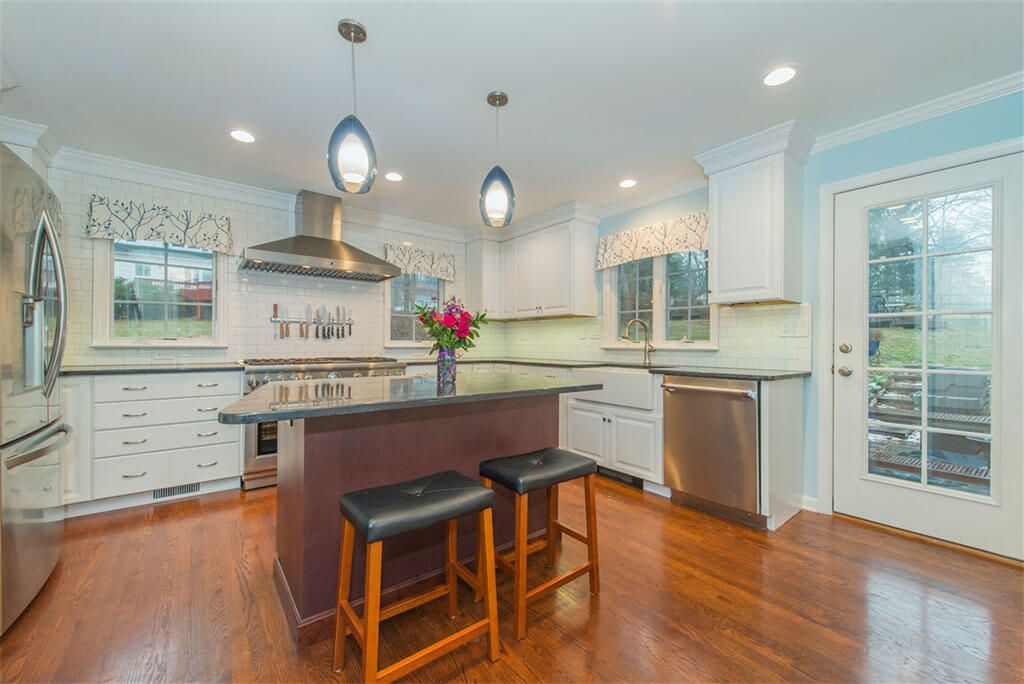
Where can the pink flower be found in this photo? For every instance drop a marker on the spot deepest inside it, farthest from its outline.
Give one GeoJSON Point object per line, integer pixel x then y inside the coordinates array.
{"type": "Point", "coordinates": [463, 329]}
{"type": "Point", "coordinates": [436, 316]}
{"type": "Point", "coordinates": [465, 318]}
{"type": "Point", "coordinates": [448, 321]}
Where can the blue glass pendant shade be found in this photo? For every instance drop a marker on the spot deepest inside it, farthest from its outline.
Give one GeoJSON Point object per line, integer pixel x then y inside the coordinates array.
{"type": "Point", "coordinates": [351, 158]}
{"type": "Point", "coordinates": [497, 199]}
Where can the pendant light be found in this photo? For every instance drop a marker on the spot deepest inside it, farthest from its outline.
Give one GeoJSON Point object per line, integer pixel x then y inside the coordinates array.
{"type": "Point", "coordinates": [497, 198]}
{"type": "Point", "coordinates": [351, 158]}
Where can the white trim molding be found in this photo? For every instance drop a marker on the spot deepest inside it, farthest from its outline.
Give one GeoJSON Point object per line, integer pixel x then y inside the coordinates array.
{"type": "Point", "coordinates": [926, 110]}
{"type": "Point", "coordinates": [399, 224]}
{"type": "Point", "coordinates": [823, 356]}
{"type": "Point", "coordinates": [791, 137]}
{"type": "Point", "coordinates": [136, 172]}
{"type": "Point", "coordinates": [35, 137]}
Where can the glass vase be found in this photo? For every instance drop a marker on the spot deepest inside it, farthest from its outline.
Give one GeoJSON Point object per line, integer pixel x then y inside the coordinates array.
{"type": "Point", "coordinates": [445, 372]}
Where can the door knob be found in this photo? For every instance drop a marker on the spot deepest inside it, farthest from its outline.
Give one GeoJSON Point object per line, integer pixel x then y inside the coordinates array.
{"type": "Point", "coordinates": [846, 347]}
{"type": "Point", "coordinates": [845, 371]}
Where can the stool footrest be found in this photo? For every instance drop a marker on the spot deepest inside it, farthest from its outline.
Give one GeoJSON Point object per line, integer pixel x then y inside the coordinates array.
{"type": "Point", "coordinates": [432, 652]}
{"type": "Point", "coordinates": [400, 607]}
{"type": "Point", "coordinates": [555, 583]}
{"type": "Point", "coordinates": [578, 536]}
{"type": "Point", "coordinates": [469, 578]}
{"type": "Point", "coordinates": [355, 624]}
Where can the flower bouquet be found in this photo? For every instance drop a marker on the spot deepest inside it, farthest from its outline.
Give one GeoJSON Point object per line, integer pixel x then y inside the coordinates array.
{"type": "Point", "coordinates": [452, 327]}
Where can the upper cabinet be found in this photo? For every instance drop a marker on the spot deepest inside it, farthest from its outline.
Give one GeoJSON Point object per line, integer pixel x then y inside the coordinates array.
{"type": "Point", "coordinates": [755, 196]}
{"type": "Point", "coordinates": [540, 267]}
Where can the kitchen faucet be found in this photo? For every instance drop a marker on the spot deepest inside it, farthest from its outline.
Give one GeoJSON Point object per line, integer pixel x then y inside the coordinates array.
{"type": "Point", "coordinates": [648, 347]}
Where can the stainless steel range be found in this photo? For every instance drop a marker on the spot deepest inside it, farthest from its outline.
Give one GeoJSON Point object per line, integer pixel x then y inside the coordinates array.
{"type": "Point", "coordinates": [261, 438]}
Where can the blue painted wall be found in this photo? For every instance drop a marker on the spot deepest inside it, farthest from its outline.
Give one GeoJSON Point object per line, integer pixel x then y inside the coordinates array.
{"type": "Point", "coordinates": [982, 124]}
{"type": "Point", "coordinates": [665, 210]}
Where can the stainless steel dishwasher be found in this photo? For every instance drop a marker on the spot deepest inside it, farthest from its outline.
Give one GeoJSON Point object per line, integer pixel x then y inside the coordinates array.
{"type": "Point", "coordinates": [711, 445]}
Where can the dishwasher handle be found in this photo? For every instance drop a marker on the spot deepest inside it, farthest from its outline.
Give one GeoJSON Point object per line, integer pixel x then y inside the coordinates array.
{"type": "Point", "coordinates": [749, 394]}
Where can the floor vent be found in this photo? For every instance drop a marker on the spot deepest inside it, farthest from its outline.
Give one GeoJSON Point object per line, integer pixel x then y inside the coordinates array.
{"type": "Point", "coordinates": [176, 491]}
{"type": "Point", "coordinates": [621, 477]}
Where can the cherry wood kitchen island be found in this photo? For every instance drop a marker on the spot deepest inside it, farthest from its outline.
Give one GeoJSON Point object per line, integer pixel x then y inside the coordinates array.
{"type": "Point", "coordinates": [340, 435]}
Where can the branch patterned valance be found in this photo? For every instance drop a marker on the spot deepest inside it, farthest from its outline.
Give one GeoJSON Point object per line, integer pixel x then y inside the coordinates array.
{"type": "Point", "coordinates": [686, 234]}
{"type": "Point", "coordinates": [421, 261]}
{"type": "Point", "coordinates": [113, 219]}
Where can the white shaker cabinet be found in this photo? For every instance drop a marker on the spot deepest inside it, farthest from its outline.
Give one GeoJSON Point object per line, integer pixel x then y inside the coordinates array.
{"type": "Point", "coordinates": [76, 457]}
{"type": "Point", "coordinates": [622, 439]}
{"type": "Point", "coordinates": [755, 190]}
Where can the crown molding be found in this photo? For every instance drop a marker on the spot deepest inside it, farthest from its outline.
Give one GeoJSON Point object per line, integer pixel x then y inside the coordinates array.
{"type": "Point", "coordinates": [137, 172]}
{"type": "Point", "coordinates": [400, 224]}
{"type": "Point", "coordinates": [36, 137]}
{"type": "Point", "coordinates": [570, 211]}
{"type": "Point", "coordinates": [926, 110]}
{"type": "Point", "coordinates": [790, 137]}
{"type": "Point", "coordinates": [667, 192]}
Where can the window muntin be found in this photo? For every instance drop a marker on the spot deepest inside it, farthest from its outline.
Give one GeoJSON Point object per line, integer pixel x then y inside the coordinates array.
{"type": "Point", "coordinates": [408, 290]}
{"type": "Point", "coordinates": [636, 295]}
{"type": "Point", "coordinates": [687, 312]}
{"type": "Point", "coordinates": [162, 291]}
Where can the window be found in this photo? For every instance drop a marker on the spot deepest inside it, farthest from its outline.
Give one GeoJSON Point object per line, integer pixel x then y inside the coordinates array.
{"type": "Point", "coordinates": [404, 293]}
{"type": "Point", "coordinates": [154, 293]}
{"type": "Point", "coordinates": [669, 293]}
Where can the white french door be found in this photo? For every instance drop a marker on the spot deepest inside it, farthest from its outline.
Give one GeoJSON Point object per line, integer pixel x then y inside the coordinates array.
{"type": "Point", "coordinates": [929, 301]}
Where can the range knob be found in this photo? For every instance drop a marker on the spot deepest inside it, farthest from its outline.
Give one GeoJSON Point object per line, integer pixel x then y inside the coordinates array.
{"type": "Point", "coordinates": [332, 375]}
{"type": "Point", "coordinates": [293, 376]}
{"type": "Point", "coordinates": [252, 381]}
{"type": "Point", "coordinates": [280, 377]}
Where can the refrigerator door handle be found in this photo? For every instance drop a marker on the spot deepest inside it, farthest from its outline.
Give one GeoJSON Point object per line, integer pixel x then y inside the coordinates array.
{"type": "Point", "coordinates": [46, 232]}
{"type": "Point", "coordinates": [12, 462]}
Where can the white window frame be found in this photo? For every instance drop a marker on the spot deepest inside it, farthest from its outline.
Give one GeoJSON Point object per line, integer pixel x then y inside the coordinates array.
{"type": "Point", "coordinates": [103, 306]}
{"type": "Point", "coordinates": [610, 283]}
{"type": "Point", "coordinates": [405, 344]}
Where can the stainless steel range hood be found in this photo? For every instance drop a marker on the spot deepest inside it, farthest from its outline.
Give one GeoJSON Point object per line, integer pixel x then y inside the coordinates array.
{"type": "Point", "coordinates": [317, 249]}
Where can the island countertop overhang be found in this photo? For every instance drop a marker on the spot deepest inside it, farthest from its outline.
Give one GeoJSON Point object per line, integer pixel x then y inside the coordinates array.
{"type": "Point", "coordinates": [300, 399]}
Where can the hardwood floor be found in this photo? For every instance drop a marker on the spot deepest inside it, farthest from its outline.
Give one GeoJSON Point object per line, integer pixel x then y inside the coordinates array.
{"type": "Point", "coordinates": [184, 592]}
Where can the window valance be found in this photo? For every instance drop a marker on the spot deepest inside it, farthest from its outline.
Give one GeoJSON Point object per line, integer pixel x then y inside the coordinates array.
{"type": "Point", "coordinates": [113, 219]}
{"type": "Point", "coordinates": [685, 234]}
{"type": "Point", "coordinates": [421, 261]}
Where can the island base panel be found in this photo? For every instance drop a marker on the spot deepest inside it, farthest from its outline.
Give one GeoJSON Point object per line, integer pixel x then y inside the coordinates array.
{"type": "Point", "coordinates": [321, 458]}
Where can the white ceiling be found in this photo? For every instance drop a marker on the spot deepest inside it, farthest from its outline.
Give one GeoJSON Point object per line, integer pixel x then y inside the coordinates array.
{"type": "Point", "coordinates": [599, 91]}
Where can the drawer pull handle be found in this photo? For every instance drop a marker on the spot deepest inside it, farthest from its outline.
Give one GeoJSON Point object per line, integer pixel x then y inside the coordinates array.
{"type": "Point", "coordinates": [206, 434]}
{"type": "Point", "coordinates": [136, 441]}
{"type": "Point", "coordinates": [129, 476]}
{"type": "Point", "coordinates": [135, 415]}
{"type": "Point", "coordinates": [206, 465]}
{"type": "Point", "coordinates": [135, 389]}
{"type": "Point", "coordinates": [207, 384]}
{"type": "Point", "coordinates": [207, 409]}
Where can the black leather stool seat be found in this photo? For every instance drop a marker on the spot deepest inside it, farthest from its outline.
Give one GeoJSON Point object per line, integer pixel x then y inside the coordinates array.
{"type": "Point", "coordinates": [538, 469]}
{"type": "Point", "coordinates": [383, 512]}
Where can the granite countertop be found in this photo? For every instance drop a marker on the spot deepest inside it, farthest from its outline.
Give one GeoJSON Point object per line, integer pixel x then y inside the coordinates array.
{"type": "Point", "coordinates": [131, 369]}
{"type": "Point", "coordinates": [731, 373]}
{"type": "Point", "coordinates": [660, 369]}
{"type": "Point", "coordinates": [317, 398]}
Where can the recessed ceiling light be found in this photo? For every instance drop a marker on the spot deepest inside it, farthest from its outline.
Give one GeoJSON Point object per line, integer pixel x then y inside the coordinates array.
{"type": "Point", "coordinates": [779, 75]}
{"type": "Point", "coordinates": [243, 136]}
{"type": "Point", "coordinates": [627, 183]}
{"type": "Point", "coordinates": [393, 176]}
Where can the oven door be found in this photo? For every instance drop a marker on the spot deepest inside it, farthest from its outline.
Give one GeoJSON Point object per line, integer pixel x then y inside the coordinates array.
{"type": "Point", "coordinates": [260, 455]}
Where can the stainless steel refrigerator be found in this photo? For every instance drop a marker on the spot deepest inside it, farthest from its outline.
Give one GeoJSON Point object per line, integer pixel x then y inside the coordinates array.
{"type": "Point", "coordinates": [33, 330]}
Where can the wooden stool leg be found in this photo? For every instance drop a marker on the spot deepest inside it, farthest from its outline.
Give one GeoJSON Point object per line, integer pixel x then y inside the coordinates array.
{"type": "Point", "coordinates": [371, 611]}
{"type": "Point", "coordinates": [452, 542]}
{"type": "Point", "coordinates": [519, 569]}
{"type": "Point", "coordinates": [595, 577]}
{"type": "Point", "coordinates": [490, 588]}
{"type": "Point", "coordinates": [554, 536]}
{"type": "Point", "coordinates": [344, 582]}
{"type": "Point", "coordinates": [479, 593]}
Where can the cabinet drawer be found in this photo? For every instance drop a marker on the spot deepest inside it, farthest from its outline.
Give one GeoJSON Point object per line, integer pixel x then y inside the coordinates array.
{"type": "Point", "coordinates": [145, 386]}
{"type": "Point", "coordinates": [107, 443]}
{"type": "Point", "coordinates": [158, 411]}
{"type": "Point", "coordinates": [142, 472]}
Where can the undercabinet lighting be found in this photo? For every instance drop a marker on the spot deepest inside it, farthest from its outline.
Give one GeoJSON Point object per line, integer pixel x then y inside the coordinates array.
{"type": "Point", "coordinates": [779, 75]}
{"type": "Point", "coordinates": [393, 177]}
{"type": "Point", "coordinates": [243, 136]}
{"type": "Point", "coordinates": [627, 183]}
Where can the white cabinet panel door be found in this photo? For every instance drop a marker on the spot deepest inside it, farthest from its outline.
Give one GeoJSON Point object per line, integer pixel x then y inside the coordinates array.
{"type": "Point", "coordinates": [636, 445]}
{"type": "Point", "coordinates": [76, 457]}
{"type": "Point", "coordinates": [528, 270]}
{"type": "Point", "coordinates": [585, 428]}
{"type": "Point", "coordinates": [554, 278]}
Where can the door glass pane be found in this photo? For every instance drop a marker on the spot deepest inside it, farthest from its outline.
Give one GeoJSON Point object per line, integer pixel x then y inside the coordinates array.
{"type": "Point", "coordinates": [895, 397]}
{"type": "Point", "coordinates": [895, 230]}
{"type": "Point", "coordinates": [960, 282]}
{"type": "Point", "coordinates": [895, 453]}
{"type": "Point", "coordinates": [960, 402]}
{"type": "Point", "coordinates": [894, 286]}
{"type": "Point", "coordinates": [961, 220]}
{"type": "Point", "coordinates": [960, 463]}
{"type": "Point", "coordinates": [895, 341]}
{"type": "Point", "coordinates": [961, 342]}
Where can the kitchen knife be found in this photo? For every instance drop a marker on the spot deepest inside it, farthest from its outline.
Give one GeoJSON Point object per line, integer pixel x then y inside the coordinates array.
{"type": "Point", "coordinates": [337, 309]}
{"type": "Point", "coordinates": [309, 318]}
{"type": "Point", "coordinates": [341, 321]}
{"type": "Point", "coordinates": [287, 325]}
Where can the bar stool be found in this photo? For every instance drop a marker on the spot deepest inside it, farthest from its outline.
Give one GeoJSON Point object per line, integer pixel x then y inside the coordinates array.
{"type": "Point", "coordinates": [383, 512]}
{"type": "Point", "coordinates": [523, 474]}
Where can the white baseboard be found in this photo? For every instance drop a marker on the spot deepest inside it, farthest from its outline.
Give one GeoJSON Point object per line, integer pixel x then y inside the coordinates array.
{"type": "Point", "coordinates": [660, 490]}
{"type": "Point", "coordinates": [115, 503]}
{"type": "Point", "coordinates": [811, 503]}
